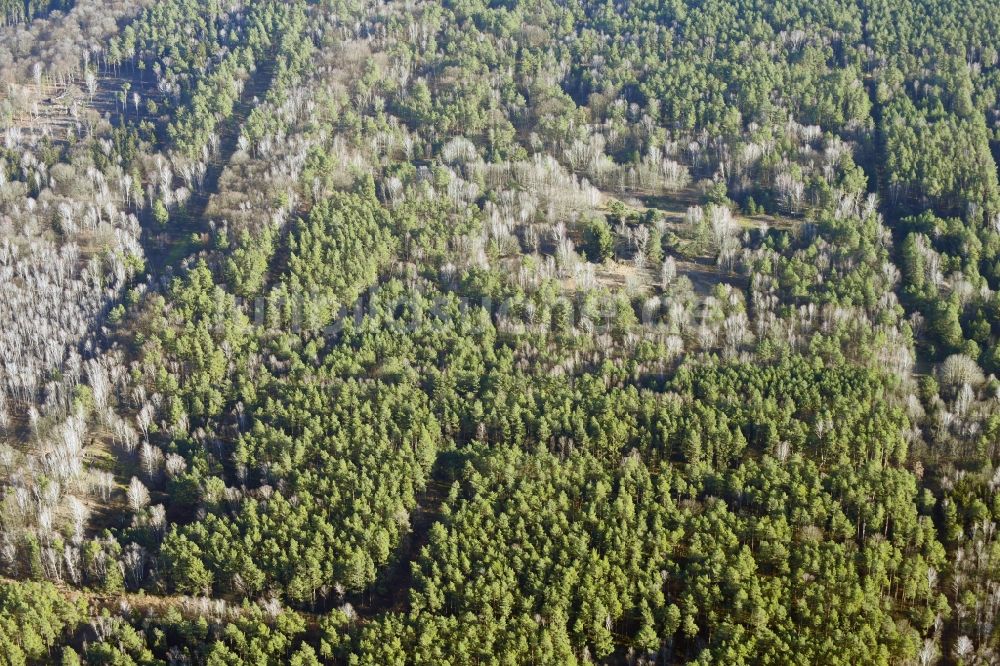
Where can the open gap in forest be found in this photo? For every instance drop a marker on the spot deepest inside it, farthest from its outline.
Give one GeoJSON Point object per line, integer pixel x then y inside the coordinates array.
{"type": "Point", "coordinates": [390, 591]}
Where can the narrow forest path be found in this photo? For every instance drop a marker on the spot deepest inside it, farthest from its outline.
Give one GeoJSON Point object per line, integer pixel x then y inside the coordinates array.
{"type": "Point", "coordinates": [167, 248]}
{"type": "Point", "coordinates": [154, 605]}
{"type": "Point", "coordinates": [924, 364]}
{"type": "Point", "coordinates": [390, 591]}
{"type": "Point", "coordinates": [873, 165]}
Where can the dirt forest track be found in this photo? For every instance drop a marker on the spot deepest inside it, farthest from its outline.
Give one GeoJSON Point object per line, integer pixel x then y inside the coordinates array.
{"type": "Point", "coordinates": [165, 248]}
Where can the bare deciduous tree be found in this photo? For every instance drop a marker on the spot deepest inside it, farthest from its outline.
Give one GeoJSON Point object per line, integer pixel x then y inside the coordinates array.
{"type": "Point", "coordinates": [137, 495]}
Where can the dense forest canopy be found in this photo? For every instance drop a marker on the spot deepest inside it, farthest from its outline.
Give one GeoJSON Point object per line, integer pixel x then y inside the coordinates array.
{"type": "Point", "coordinates": [513, 332]}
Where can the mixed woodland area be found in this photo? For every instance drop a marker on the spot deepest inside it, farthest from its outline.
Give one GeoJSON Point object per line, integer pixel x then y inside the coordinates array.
{"type": "Point", "coordinates": [499, 332]}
